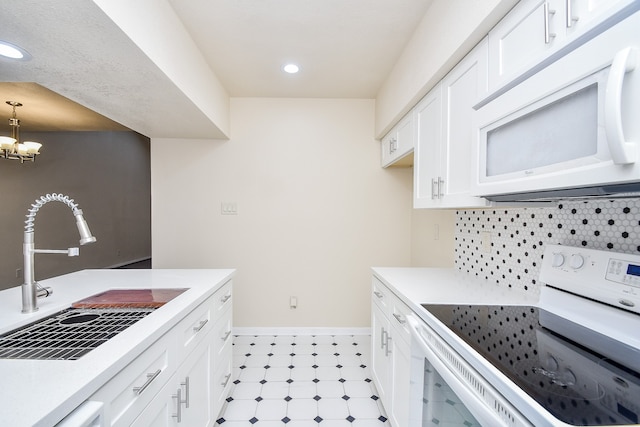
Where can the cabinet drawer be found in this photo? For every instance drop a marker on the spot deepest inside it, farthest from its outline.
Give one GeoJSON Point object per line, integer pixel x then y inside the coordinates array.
{"type": "Point", "coordinates": [221, 336]}
{"type": "Point", "coordinates": [221, 383]}
{"type": "Point", "coordinates": [193, 328]}
{"type": "Point", "coordinates": [380, 295]}
{"type": "Point", "coordinates": [398, 320]}
{"type": "Point", "coordinates": [222, 299]}
{"type": "Point", "coordinates": [126, 394]}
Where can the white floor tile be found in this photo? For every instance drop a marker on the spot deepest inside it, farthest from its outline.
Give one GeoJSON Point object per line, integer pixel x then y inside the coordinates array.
{"type": "Point", "coordinates": [248, 390]}
{"type": "Point", "coordinates": [271, 410]}
{"type": "Point", "coordinates": [256, 361]}
{"type": "Point", "coordinates": [349, 360]}
{"type": "Point", "coordinates": [240, 410]}
{"type": "Point", "coordinates": [358, 389]}
{"type": "Point", "coordinates": [363, 408]}
{"type": "Point", "coordinates": [275, 390]}
{"type": "Point", "coordinates": [251, 374]}
{"type": "Point", "coordinates": [302, 423]}
{"type": "Point", "coordinates": [302, 390]}
{"type": "Point", "coordinates": [302, 409]}
{"type": "Point", "coordinates": [277, 374]}
{"type": "Point", "coordinates": [303, 360]}
{"type": "Point", "coordinates": [330, 389]}
{"type": "Point", "coordinates": [303, 349]}
{"type": "Point", "coordinates": [354, 373]}
{"type": "Point", "coordinates": [328, 373]}
{"type": "Point", "coordinates": [333, 408]}
{"type": "Point", "coordinates": [279, 360]}
{"type": "Point", "coordinates": [326, 360]}
{"type": "Point", "coordinates": [335, 423]}
{"type": "Point", "coordinates": [303, 374]}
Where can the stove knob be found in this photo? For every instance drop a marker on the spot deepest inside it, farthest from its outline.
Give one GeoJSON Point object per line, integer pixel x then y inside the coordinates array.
{"type": "Point", "coordinates": [576, 261]}
{"type": "Point", "coordinates": [558, 260]}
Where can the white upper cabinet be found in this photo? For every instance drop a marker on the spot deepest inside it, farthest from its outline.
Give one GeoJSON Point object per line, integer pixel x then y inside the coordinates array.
{"type": "Point", "coordinates": [536, 31]}
{"type": "Point", "coordinates": [444, 135]}
{"type": "Point", "coordinates": [397, 145]}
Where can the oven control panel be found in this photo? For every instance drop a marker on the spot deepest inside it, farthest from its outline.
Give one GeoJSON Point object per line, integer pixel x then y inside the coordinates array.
{"type": "Point", "coordinates": [609, 277]}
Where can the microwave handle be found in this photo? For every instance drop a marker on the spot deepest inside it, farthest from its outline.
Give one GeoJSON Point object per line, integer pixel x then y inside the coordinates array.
{"type": "Point", "coordinates": [623, 152]}
{"type": "Point", "coordinates": [476, 406]}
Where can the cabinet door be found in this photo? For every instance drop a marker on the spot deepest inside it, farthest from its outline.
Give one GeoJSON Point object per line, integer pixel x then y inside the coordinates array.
{"type": "Point", "coordinates": [398, 143]}
{"type": "Point", "coordinates": [461, 89]}
{"type": "Point", "coordinates": [380, 352]}
{"type": "Point", "coordinates": [428, 135]}
{"type": "Point", "coordinates": [522, 37]}
{"type": "Point", "coordinates": [400, 372]}
{"type": "Point", "coordinates": [185, 400]}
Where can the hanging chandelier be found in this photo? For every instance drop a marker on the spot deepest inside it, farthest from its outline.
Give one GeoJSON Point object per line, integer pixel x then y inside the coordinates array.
{"type": "Point", "coordinates": [11, 147]}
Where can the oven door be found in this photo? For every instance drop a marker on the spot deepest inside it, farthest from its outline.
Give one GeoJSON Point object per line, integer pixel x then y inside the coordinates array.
{"type": "Point", "coordinates": [446, 390]}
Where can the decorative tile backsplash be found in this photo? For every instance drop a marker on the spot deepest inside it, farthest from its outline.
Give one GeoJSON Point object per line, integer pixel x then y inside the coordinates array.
{"type": "Point", "coordinates": [518, 236]}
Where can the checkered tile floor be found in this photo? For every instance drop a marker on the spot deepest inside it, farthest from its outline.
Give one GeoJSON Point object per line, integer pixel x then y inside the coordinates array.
{"type": "Point", "coordinates": [302, 381]}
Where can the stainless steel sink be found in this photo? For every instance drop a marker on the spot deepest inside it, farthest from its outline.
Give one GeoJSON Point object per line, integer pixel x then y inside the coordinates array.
{"type": "Point", "coordinates": [68, 334]}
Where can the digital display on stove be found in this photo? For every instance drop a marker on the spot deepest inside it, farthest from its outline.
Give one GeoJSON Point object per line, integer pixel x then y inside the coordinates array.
{"type": "Point", "coordinates": [633, 270]}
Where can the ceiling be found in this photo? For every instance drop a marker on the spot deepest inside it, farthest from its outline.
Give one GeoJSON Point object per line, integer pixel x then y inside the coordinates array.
{"type": "Point", "coordinates": [83, 62]}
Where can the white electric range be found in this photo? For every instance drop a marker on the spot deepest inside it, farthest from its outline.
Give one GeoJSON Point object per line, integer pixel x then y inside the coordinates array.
{"type": "Point", "coordinates": [571, 359]}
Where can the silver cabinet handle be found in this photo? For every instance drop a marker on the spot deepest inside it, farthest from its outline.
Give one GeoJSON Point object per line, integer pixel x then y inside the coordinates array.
{"type": "Point", "coordinates": [440, 188]}
{"type": "Point", "coordinates": [225, 298]}
{"type": "Point", "coordinates": [226, 380]}
{"type": "Point", "coordinates": [225, 336]}
{"type": "Point", "coordinates": [548, 35]}
{"type": "Point", "coordinates": [150, 378]}
{"type": "Point", "coordinates": [378, 294]}
{"type": "Point", "coordinates": [399, 318]}
{"type": "Point", "coordinates": [178, 397]}
{"type": "Point", "coordinates": [383, 340]}
{"type": "Point", "coordinates": [186, 392]}
{"type": "Point", "coordinates": [198, 328]}
{"type": "Point", "coordinates": [387, 350]}
{"type": "Point", "coordinates": [570, 18]}
{"type": "Point", "coordinates": [434, 190]}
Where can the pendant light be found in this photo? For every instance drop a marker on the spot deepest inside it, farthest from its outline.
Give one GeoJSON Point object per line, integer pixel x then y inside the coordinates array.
{"type": "Point", "coordinates": [10, 146]}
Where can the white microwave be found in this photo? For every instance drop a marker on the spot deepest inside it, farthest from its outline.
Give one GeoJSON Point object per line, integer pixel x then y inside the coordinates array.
{"type": "Point", "coordinates": [570, 130]}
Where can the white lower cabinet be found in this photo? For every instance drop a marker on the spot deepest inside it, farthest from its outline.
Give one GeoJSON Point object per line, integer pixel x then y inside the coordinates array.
{"type": "Point", "coordinates": [180, 380]}
{"type": "Point", "coordinates": [390, 353]}
{"type": "Point", "coordinates": [185, 400]}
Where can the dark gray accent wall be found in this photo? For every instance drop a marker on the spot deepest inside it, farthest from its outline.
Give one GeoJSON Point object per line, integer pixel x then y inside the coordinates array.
{"type": "Point", "coordinates": [107, 173]}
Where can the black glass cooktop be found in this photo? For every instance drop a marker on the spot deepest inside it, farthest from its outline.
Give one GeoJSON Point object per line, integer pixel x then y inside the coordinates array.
{"type": "Point", "coordinates": [563, 369]}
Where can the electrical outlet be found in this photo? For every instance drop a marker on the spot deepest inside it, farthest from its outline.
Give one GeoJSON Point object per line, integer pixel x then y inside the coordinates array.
{"type": "Point", "coordinates": [19, 273]}
{"type": "Point", "coordinates": [293, 302]}
{"type": "Point", "coordinates": [229, 208]}
{"type": "Point", "coordinates": [485, 241]}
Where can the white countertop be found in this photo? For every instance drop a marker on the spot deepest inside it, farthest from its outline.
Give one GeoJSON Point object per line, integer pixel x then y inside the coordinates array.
{"type": "Point", "coordinates": [42, 392]}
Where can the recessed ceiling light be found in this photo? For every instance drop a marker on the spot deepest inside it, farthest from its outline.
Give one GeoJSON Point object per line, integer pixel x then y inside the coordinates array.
{"type": "Point", "coordinates": [291, 68]}
{"type": "Point", "coordinates": [12, 51]}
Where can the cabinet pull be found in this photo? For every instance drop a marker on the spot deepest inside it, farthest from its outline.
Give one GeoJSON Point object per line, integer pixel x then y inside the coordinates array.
{"type": "Point", "coordinates": [383, 340]}
{"type": "Point", "coordinates": [225, 336]}
{"type": "Point", "coordinates": [548, 35]}
{"type": "Point", "coordinates": [440, 188]}
{"type": "Point", "coordinates": [226, 380]}
{"type": "Point", "coordinates": [186, 392]}
{"type": "Point", "coordinates": [178, 397]}
{"type": "Point", "coordinates": [225, 298]}
{"type": "Point", "coordinates": [150, 378]}
{"type": "Point", "coordinates": [387, 351]}
{"type": "Point", "coordinates": [434, 190]}
{"type": "Point", "coordinates": [197, 329]}
{"type": "Point", "coordinates": [399, 318]}
{"type": "Point", "coordinates": [378, 294]}
{"type": "Point", "coordinates": [570, 18]}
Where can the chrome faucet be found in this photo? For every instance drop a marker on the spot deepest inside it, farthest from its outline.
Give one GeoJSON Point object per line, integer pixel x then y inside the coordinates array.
{"type": "Point", "coordinates": [31, 290]}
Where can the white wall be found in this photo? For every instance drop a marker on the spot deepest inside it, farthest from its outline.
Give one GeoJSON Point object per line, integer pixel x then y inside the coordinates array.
{"type": "Point", "coordinates": [449, 30]}
{"type": "Point", "coordinates": [315, 209]}
{"type": "Point", "coordinates": [432, 237]}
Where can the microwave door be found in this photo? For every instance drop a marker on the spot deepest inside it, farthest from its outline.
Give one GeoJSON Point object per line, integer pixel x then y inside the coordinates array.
{"type": "Point", "coordinates": [573, 125]}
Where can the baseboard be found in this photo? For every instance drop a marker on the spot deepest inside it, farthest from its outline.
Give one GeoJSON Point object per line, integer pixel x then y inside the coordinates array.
{"type": "Point", "coordinates": [300, 331]}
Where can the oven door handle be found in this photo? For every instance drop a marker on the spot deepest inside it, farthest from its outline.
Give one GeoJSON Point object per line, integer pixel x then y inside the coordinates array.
{"type": "Point", "coordinates": [484, 414]}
